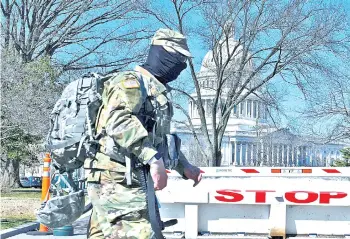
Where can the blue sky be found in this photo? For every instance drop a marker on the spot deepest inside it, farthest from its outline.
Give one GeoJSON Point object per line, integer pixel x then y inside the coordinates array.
{"type": "Point", "coordinates": [292, 101]}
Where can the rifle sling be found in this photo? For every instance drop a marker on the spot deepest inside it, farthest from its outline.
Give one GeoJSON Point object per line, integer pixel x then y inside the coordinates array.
{"type": "Point", "coordinates": [151, 198]}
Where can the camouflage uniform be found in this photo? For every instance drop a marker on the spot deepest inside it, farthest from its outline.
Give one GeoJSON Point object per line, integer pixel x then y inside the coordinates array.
{"type": "Point", "coordinates": [132, 102]}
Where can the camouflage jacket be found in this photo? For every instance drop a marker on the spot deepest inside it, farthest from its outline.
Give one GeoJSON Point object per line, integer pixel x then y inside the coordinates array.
{"type": "Point", "coordinates": [133, 103]}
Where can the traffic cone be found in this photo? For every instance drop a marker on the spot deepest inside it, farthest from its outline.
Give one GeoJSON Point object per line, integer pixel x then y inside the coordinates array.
{"type": "Point", "coordinates": [45, 194]}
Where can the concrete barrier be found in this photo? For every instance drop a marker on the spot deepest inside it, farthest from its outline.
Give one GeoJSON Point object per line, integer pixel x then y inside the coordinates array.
{"type": "Point", "coordinates": [274, 202]}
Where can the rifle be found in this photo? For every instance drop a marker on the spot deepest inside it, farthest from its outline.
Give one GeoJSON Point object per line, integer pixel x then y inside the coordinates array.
{"type": "Point", "coordinates": [152, 204]}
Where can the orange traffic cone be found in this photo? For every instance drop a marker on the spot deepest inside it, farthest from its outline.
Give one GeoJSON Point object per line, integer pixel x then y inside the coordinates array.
{"type": "Point", "coordinates": [45, 195]}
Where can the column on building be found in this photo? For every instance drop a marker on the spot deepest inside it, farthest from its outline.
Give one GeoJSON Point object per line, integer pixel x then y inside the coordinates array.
{"type": "Point", "coordinates": [311, 147]}
{"type": "Point", "coordinates": [283, 162]}
{"type": "Point", "coordinates": [302, 156]}
{"type": "Point", "coordinates": [246, 108]}
{"type": "Point", "coordinates": [301, 162]}
{"type": "Point", "coordinates": [316, 156]}
{"type": "Point", "coordinates": [242, 109]}
{"type": "Point", "coordinates": [312, 155]}
{"type": "Point", "coordinates": [246, 153]}
{"type": "Point", "coordinates": [252, 154]}
{"type": "Point", "coordinates": [249, 108]}
{"type": "Point", "coordinates": [272, 154]}
{"type": "Point", "coordinates": [329, 158]}
{"type": "Point", "coordinates": [257, 153]}
{"type": "Point", "coordinates": [261, 107]}
{"type": "Point", "coordinates": [239, 108]}
{"type": "Point", "coordinates": [194, 110]}
{"type": "Point", "coordinates": [229, 152]}
{"type": "Point", "coordinates": [288, 151]}
{"type": "Point", "coordinates": [307, 149]}
{"type": "Point", "coordinates": [240, 154]}
{"type": "Point", "coordinates": [261, 153]}
{"type": "Point", "coordinates": [277, 154]}
{"type": "Point", "coordinates": [235, 153]}
{"type": "Point", "coordinates": [305, 155]}
{"type": "Point", "coordinates": [267, 153]}
{"type": "Point", "coordinates": [224, 154]}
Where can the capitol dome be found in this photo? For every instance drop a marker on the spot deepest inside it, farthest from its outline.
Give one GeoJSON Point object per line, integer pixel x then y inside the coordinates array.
{"type": "Point", "coordinates": [249, 112]}
{"type": "Point", "coordinates": [208, 64]}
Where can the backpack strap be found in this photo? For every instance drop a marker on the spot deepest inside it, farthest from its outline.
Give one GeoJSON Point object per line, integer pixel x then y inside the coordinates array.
{"type": "Point", "coordinates": [128, 173]}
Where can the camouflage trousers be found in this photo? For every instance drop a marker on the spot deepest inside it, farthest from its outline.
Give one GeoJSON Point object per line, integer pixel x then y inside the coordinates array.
{"type": "Point", "coordinates": [119, 210]}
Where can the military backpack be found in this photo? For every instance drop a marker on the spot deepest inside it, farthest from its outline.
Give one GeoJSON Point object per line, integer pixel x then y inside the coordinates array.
{"type": "Point", "coordinates": [71, 137]}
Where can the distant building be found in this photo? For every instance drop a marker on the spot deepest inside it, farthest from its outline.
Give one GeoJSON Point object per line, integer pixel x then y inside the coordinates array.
{"type": "Point", "coordinates": [248, 139]}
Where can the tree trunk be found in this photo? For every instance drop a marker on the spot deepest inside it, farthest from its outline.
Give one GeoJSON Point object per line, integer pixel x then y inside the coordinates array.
{"type": "Point", "coordinates": [10, 174]}
{"type": "Point", "coordinates": [7, 33]}
{"type": "Point", "coordinates": [15, 164]}
{"type": "Point", "coordinates": [218, 157]}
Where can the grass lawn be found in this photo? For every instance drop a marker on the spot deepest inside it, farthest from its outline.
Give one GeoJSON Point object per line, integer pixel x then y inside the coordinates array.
{"type": "Point", "coordinates": [21, 195]}
{"type": "Point", "coordinates": [14, 221]}
{"type": "Point", "coordinates": [18, 207]}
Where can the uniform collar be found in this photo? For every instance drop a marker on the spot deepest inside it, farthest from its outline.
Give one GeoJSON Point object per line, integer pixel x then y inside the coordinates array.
{"type": "Point", "coordinates": [156, 88]}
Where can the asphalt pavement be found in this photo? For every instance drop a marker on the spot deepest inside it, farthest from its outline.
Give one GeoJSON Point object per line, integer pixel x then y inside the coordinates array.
{"type": "Point", "coordinates": [80, 228]}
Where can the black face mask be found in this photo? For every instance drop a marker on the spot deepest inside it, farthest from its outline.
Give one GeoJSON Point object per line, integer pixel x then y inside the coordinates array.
{"type": "Point", "coordinates": [165, 66]}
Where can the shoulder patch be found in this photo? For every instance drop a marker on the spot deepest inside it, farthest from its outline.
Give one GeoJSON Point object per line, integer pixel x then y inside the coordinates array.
{"type": "Point", "coordinates": [130, 84]}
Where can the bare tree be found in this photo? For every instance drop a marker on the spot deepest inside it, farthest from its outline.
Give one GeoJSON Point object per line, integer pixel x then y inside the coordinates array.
{"type": "Point", "coordinates": [193, 152]}
{"type": "Point", "coordinates": [78, 34]}
{"type": "Point", "coordinates": [328, 108]}
{"type": "Point", "coordinates": [290, 40]}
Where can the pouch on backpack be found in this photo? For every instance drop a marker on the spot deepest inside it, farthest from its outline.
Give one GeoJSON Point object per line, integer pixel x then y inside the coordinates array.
{"type": "Point", "coordinates": [62, 210]}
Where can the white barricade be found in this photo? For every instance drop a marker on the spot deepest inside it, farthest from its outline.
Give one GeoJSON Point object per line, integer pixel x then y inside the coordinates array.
{"type": "Point", "coordinates": [274, 202]}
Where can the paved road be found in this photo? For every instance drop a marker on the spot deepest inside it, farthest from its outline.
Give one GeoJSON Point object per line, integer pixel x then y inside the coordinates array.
{"type": "Point", "coordinates": [80, 228]}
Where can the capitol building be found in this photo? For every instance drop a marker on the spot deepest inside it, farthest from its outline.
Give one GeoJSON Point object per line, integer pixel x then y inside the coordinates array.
{"type": "Point", "coordinates": [249, 139]}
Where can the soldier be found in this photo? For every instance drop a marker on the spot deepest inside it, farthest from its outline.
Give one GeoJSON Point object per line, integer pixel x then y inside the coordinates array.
{"type": "Point", "coordinates": [133, 123]}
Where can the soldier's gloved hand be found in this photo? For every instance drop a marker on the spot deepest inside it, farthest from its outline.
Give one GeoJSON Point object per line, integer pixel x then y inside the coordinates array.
{"type": "Point", "coordinates": [193, 172]}
{"type": "Point", "coordinates": [158, 173]}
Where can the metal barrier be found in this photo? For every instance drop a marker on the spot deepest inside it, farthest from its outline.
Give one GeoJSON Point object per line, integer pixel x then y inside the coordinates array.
{"type": "Point", "coordinates": [274, 202]}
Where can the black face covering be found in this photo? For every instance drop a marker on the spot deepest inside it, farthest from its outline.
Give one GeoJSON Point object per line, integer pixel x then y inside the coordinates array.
{"type": "Point", "coordinates": [165, 66]}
